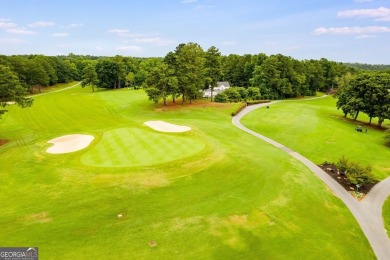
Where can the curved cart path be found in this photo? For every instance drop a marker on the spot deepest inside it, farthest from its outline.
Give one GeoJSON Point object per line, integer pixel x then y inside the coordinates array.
{"type": "Point", "coordinates": [52, 92]}
{"type": "Point", "coordinates": [367, 213]}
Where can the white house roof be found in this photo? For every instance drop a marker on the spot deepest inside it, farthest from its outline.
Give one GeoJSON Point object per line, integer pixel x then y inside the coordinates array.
{"type": "Point", "coordinates": [223, 84]}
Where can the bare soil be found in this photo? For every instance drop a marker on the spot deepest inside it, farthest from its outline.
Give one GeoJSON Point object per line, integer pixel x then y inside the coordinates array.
{"type": "Point", "coordinates": [195, 104]}
{"type": "Point", "coordinates": [3, 141]}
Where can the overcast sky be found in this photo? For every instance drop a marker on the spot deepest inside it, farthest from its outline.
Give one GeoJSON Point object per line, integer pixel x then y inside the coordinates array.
{"type": "Point", "coordinates": [340, 30]}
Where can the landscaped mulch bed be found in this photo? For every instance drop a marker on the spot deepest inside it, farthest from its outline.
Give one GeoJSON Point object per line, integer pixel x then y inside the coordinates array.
{"type": "Point", "coordinates": [340, 177]}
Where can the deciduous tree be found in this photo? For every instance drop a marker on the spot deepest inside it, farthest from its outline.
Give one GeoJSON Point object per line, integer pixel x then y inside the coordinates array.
{"type": "Point", "coordinates": [89, 77]}
{"type": "Point", "coordinates": [11, 90]}
{"type": "Point", "coordinates": [161, 83]}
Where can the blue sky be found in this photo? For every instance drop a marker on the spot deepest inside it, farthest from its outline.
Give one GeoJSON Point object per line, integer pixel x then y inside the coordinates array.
{"type": "Point", "coordinates": [340, 30]}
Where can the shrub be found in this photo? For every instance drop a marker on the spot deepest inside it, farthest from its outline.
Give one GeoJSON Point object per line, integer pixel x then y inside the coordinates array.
{"type": "Point", "coordinates": [232, 94]}
{"type": "Point", "coordinates": [254, 102]}
{"type": "Point", "coordinates": [356, 174]}
{"type": "Point", "coordinates": [221, 98]}
{"type": "Point", "coordinates": [254, 93]}
{"type": "Point", "coordinates": [243, 92]}
{"type": "Point", "coordinates": [342, 164]}
{"type": "Point", "coordinates": [238, 110]}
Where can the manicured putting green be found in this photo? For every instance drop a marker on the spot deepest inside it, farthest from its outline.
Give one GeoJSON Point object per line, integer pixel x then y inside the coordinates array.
{"type": "Point", "coordinates": [127, 147]}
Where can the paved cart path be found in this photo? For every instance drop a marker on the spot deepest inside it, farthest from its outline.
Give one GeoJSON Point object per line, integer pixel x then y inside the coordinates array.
{"type": "Point", "coordinates": [368, 213]}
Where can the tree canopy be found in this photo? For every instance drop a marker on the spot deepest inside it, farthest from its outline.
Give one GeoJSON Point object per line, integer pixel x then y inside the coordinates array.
{"type": "Point", "coordinates": [11, 90]}
{"type": "Point", "coordinates": [366, 92]}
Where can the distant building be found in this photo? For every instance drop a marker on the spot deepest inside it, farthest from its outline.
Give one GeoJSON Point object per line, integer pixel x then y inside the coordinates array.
{"type": "Point", "coordinates": [221, 86]}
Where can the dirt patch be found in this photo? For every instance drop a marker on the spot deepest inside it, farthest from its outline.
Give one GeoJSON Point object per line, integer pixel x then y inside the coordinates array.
{"type": "Point", "coordinates": [3, 142]}
{"type": "Point", "coordinates": [195, 104]}
{"type": "Point", "coordinates": [340, 177]}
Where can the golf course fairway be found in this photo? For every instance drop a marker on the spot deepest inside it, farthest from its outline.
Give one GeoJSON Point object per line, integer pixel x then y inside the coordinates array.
{"type": "Point", "coordinates": [214, 192]}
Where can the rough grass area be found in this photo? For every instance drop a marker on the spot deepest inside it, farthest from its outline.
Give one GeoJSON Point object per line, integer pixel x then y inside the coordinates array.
{"type": "Point", "coordinates": [317, 130]}
{"type": "Point", "coordinates": [222, 195]}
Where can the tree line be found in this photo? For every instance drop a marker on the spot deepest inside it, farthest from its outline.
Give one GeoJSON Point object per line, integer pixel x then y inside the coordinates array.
{"type": "Point", "coordinates": [189, 69]}
{"type": "Point", "coordinates": [183, 72]}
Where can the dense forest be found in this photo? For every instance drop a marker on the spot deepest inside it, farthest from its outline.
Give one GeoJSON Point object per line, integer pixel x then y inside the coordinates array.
{"type": "Point", "coordinates": [364, 66]}
{"type": "Point", "coordinates": [182, 72]}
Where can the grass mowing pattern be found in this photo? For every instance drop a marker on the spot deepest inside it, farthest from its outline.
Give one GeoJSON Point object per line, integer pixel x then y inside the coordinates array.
{"type": "Point", "coordinates": [318, 131]}
{"type": "Point", "coordinates": [125, 147]}
{"type": "Point", "coordinates": [239, 198]}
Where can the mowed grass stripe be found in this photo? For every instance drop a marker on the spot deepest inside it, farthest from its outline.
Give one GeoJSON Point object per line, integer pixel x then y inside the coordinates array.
{"type": "Point", "coordinates": [237, 199]}
{"type": "Point", "coordinates": [136, 147]}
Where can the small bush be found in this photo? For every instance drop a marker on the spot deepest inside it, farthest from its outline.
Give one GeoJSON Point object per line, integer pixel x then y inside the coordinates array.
{"type": "Point", "coordinates": [221, 98]}
{"type": "Point", "coordinates": [232, 94]}
{"type": "Point", "coordinates": [356, 174]}
{"type": "Point", "coordinates": [254, 93]}
{"type": "Point", "coordinates": [254, 102]}
{"type": "Point", "coordinates": [238, 110]}
{"type": "Point", "coordinates": [342, 164]}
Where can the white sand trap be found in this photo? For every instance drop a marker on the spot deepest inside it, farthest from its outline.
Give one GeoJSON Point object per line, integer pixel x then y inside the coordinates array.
{"type": "Point", "coordinates": [69, 143]}
{"type": "Point", "coordinates": [167, 127]}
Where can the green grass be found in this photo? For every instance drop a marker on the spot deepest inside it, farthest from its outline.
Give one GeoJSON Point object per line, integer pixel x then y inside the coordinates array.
{"type": "Point", "coordinates": [386, 215]}
{"type": "Point", "coordinates": [126, 147]}
{"type": "Point", "coordinates": [56, 87]}
{"type": "Point", "coordinates": [220, 194]}
{"type": "Point", "coordinates": [318, 131]}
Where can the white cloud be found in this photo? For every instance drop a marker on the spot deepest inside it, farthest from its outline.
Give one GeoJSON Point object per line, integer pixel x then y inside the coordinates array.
{"type": "Point", "coordinates": [352, 30]}
{"type": "Point", "coordinates": [20, 31]}
{"type": "Point", "coordinates": [363, 1]}
{"type": "Point", "coordinates": [6, 24]}
{"type": "Point", "coordinates": [60, 34]}
{"type": "Point", "coordinates": [188, 1]}
{"type": "Point", "coordinates": [74, 25]}
{"type": "Point", "coordinates": [365, 36]}
{"type": "Point", "coordinates": [11, 41]}
{"type": "Point", "coordinates": [380, 14]}
{"type": "Point", "coordinates": [130, 48]}
{"type": "Point", "coordinates": [66, 46]}
{"type": "Point", "coordinates": [125, 33]}
{"type": "Point", "coordinates": [41, 24]}
{"type": "Point", "coordinates": [229, 43]}
{"type": "Point", "coordinates": [99, 48]}
{"type": "Point", "coordinates": [153, 40]}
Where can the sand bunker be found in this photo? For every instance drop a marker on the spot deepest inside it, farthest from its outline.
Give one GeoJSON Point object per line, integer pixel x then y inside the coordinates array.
{"type": "Point", "coordinates": [167, 127]}
{"type": "Point", "coordinates": [69, 143]}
